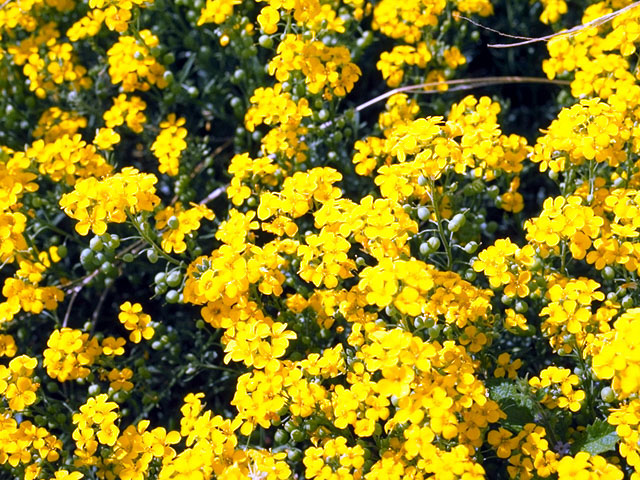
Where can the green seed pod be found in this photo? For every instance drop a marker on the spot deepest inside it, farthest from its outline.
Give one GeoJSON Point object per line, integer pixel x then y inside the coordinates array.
{"type": "Point", "coordinates": [471, 247]}
{"type": "Point", "coordinates": [265, 41]}
{"type": "Point", "coordinates": [434, 243]}
{"type": "Point", "coordinates": [493, 191]}
{"type": "Point", "coordinates": [294, 455]}
{"type": "Point", "coordinates": [87, 258]}
{"type": "Point", "coordinates": [172, 296]}
{"type": "Point", "coordinates": [114, 242]}
{"type": "Point", "coordinates": [470, 275]}
{"type": "Point", "coordinates": [522, 306]}
{"type": "Point", "coordinates": [492, 227]}
{"type": "Point", "coordinates": [423, 213]}
{"type": "Point", "coordinates": [608, 273]}
{"type": "Point", "coordinates": [457, 222]}
{"type": "Point", "coordinates": [608, 395]}
{"type": "Point", "coordinates": [96, 244]}
{"type": "Point", "coordinates": [152, 255]}
{"type": "Point", "coordinates": [281, 437]}
{"type": "Point", "coordinates": [506, 299]}
{"type": "Point", "coordinates": [298, 435]}
{"type": "Point", "coordinates": [174, 278]}
{"type": "Point", "coordinates": [62, 251]}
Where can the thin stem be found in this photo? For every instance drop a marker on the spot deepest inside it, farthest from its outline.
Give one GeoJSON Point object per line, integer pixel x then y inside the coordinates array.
{"type": "Point", "coordinates": [213, 195]}
{"type": "Point", "coordinates": [566, 33]}
{"type": "Point", "coordinates": [459, 84]}
{"type": "Point", "coordinates": [74, 295]}
{"type": "Point", "coordinates": [149, 240]}
{"type": "Point", "coordinates": [587, 375]}
{"type": "Point", "coordinates": [443, 236]}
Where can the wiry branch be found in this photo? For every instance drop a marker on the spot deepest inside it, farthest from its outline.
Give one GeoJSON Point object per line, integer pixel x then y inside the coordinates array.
{"type": "Point", "coordinates": [484, 27]}
{"type": "Point", "coordinates": [566, 33]}
{"type": "Point", "coordinates": [457, 85]}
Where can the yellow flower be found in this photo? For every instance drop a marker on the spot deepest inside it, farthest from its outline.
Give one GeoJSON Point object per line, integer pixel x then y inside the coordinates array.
{"type": "Point", "coordinates": [106, 138]}
{"type": "Point", "coordinates": [268, 19]}
{"type": "Point", "coordinates": [134, 319]}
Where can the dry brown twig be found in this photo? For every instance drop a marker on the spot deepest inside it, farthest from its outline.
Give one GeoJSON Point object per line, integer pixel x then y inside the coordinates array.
{"type": "Point", "coordinates": [457, 85]}
{"type": "Point", "coordinates": [568, 33]}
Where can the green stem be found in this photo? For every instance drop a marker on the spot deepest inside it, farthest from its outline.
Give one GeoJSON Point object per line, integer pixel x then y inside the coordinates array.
{"type": "Point", "coordinates": [441, 232]}
{"type": "Point", "coordinates": [149, 240]}
{"type": "Point", "coordinates": [563, 263]}
{"type": "Point", "coordinates": [589, 383]}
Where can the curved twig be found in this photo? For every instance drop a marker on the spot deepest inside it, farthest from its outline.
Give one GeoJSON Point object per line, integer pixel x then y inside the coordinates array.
{"type": "Point", "coordinates": [484, 27]}
{"type": "Point", "coordinates": [570, 33]}
{"type": "Point", "coordinates": [460, 84]}
{"type": "Point", "coordinates": [76, 290]}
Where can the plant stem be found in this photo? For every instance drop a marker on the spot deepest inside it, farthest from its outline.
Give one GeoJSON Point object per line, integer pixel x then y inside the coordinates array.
{"type": "Point", "coordinates": [441, 232]}
{"type": "Point", "coordinates": [149, 240]}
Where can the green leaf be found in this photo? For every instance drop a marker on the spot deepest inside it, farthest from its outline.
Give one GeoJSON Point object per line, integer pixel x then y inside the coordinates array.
{"type": "Point", "coordinates": [598, 438]}
{"type": "Point", "coordinates": [518, 406]}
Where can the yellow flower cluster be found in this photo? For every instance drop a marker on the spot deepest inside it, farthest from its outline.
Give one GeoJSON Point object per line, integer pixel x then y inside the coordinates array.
{"type": "Point", "coordinates": [413, 22]}
{"type": "Point", "coordinates": [553, 10]}
{"type": "Point", "coordinates": [589, 130]}
{"type": "Point", "coordinates": [45, 72]}
{"type": "Point", "coordinates": [69, 353]}
{"type": "Point", "coordinates": [561, 379]}
{"type": "Point", "coordinates": [626, 419]}
{"type": "Point", "coordinates": [349, 459]}
{"type": "Point", "coordinates": [23, 442]}
{"type": "Point", "coordinates": [131, 63]}
{"type": "Point", "coordinates": [589, 467]}
{"type": "Point", "coordinates": [95, 425]}
{"type": "Point", "coordinates": [95, 202]}
{"type": "Point", "coordinates": [246, 173]}
{"type": "Point", "coordinates": [504, 263]}
{"type": "Point", "coordinates": [326, 69]}
{"type": "Point", "coordinates": [345, 309]}
{"type": "Point", "coordinates": [565, 220]}
{"type": "Point", "coordinates": [116, 14]}
{"type": "Point", "coordinates": [180, 223]}
{"type": "Point", "coordinates": [528, 452]}
{"type": "Point", "coordinates": [391, 63]}
{"type": "Point", "coordinates": [136, 450]}
{"type": "Point", "coordinates": [272, 106]}
{"type": "Point", "coordinates": [217, 11]}
{"type": "Point", "coordinates": [126, 110]}
{"type": "Point", "coordinates": [470, 139]}
{"type": "Point", "coordinates": [615, 355]}
{"type": "Point", "coordinates": [603, 69]}
{"type": "Point", "coordinates": [23, 291]}
{"type": "Point", "coordinates": [169, 144]}
{"type": "Point", "coordinates": [398, 109]}
{"type": "Point", "coordinates": [67, 158]}
{"type": "Point", "coordinates": [569, 311]}
{"type": "Point", "coordinates": [55, 122]}
{"type": "Point", "coordinates": [212, 447]}
{"type": "Point", "coordinates": [16, 385]}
